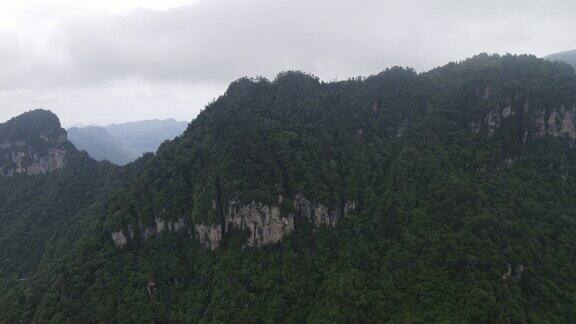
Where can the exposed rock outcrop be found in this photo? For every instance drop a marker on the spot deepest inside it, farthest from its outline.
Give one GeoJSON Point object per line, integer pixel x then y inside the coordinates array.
{"type": "Point", "coordinates": [558, 123]}
{"type": "Point", "coordinates": [265, 224]}
{"type": "Point", "coordinates": [209, 235]}
{"type": "Point", "coordinates": [163, 225]}
{"type": "Point", "coordinates": [319, 214]}
{"type": "Point", "coordinates": [151, 288]}
{"type": "Point", "coordinates": [555, 122]}
{"type": "Point", "coordinates": [513, 275]}
{"type": "Point", "coordinates": [21, 158]}
{"type": "Point", "coordinates": [493, 120]}
{"type": "Point", "coordinates": [122, 237]}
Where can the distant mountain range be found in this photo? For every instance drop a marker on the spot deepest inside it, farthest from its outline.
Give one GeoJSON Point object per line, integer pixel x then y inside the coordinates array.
{"type": "Point", "coordinates": [123, 143]}
{"type": "Point", "coordinates": [567, 56]}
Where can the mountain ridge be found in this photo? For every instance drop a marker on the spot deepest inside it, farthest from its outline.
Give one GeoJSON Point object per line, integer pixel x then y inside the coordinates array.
{"type": "Point", "coordinates": [461, 181]}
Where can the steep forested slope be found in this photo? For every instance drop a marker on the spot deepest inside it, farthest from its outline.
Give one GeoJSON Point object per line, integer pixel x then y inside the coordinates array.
{"type": "Point", "coordinates": [401, 197]}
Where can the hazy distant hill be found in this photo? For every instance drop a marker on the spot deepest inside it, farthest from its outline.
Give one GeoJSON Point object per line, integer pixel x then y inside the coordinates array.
{"type": "Point", "coordinates": [100, 144]}
{"type": "Point", "coordinates": [146, 136]}
{"type": "Point", "coordinates": [568, 57]}
{"type": "Point", "coordinates": [123, 143]}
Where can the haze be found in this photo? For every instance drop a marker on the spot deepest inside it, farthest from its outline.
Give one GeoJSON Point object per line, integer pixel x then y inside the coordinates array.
{"type": "Point", "coordinates": [99, 62]}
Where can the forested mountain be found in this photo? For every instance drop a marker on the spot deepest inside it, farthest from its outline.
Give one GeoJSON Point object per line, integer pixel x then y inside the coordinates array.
{"type": "Point", "coordinates": [445, 196]}
{"type": "Point", "coordinates": [568, 57]}
{"type": "Point", "coordinates": [123, 143]}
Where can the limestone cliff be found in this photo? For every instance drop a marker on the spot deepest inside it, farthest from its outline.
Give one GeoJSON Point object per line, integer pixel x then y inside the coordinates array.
{"type": "Point", "coordinates": [557, 122]}
{"type": "Point", "coordinates": [122, 237]}
{"type": "Point", "coordinates": [263, 224]}
{"type": "Point", "coordinates": [533, 120]}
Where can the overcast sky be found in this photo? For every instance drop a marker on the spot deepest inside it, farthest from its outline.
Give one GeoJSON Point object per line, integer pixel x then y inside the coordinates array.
{"type": "Point", "coordinates": [104, 61]}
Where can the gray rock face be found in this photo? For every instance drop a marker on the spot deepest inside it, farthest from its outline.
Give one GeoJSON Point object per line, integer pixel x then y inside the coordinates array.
{"type": "Point", "coordinates": [554, 122]}
{"type": "Point", "coordinates": [22, 157]}
{"type": "Point", "coordinates": [209, 235]}
{"type": "Point", "coordinates": [558, 123]}
{"type": "Point", "coordinates": [119, 238]}
{"type": "Point", "coordinates": [163, 225]}
{"type": "Point", "coordinates": [122, 237]}
{"type": "Point", "coordinates": [265, 224]}
{"type": "Point", "coordinates": [319, 214]}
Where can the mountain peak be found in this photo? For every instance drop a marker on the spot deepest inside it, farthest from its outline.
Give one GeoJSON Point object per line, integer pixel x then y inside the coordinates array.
{"type": "Point", "coordinates": [30, 123]}
{"type": "Point", "coordinates": [32, 143]}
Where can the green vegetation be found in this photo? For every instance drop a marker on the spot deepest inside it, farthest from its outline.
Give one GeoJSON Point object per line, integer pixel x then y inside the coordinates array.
{"type": "Point", "coordinates": [29, 125]}
{"type": "Point", "coordinates": [459, 218]}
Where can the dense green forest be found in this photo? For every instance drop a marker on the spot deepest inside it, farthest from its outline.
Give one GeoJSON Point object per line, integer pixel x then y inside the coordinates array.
{"type": "Point", "coordinates": [462, 178]}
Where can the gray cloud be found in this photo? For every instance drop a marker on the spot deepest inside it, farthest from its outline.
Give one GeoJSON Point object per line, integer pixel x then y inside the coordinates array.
{"type": "Point", "coordinates": [203, 47]}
